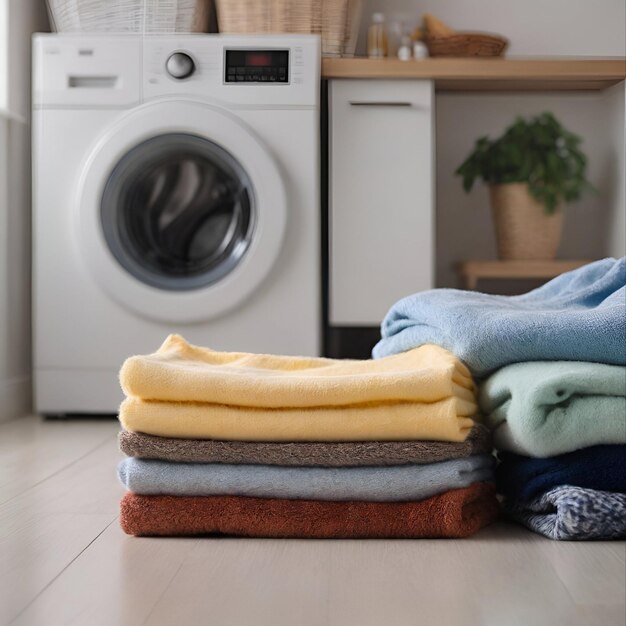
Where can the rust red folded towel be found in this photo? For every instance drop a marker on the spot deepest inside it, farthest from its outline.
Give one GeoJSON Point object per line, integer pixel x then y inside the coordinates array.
{"type": "Point", "coordinates": [304, 453]}
{"type": "Point", "coordinates": [457, 513]}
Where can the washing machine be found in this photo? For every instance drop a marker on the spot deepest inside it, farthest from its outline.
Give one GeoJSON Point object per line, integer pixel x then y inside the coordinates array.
{"type": "Point", "coordinates": [176, 189]}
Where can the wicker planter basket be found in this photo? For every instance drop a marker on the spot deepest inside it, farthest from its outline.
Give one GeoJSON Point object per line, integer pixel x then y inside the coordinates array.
{"type": "Point", "coordinates": [523, 230]}
{"type": "Point", "coordinates": [466, 45]}
{"type": "Point", "coordinates": [130, 16]}
{"type": "Point", "coordinates": [337, 21]}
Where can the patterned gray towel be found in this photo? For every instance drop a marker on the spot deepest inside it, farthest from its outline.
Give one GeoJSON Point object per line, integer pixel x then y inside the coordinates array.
{"type": "Point", "coordinates": [567, 513]}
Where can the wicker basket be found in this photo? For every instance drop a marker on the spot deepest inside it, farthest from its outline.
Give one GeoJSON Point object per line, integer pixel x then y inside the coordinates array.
{"type": "Point", "coordinates": [130, 16]}
{"type": "Point", "coordinates": [466, 45]}
{"type": "Point", "coordinates": [337, 21]}
{"type": "Point", "coordinates": [523, 230]}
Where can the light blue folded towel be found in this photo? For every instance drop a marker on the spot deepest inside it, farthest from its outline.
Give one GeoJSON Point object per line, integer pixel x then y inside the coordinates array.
{"type": "Point", "coordinates": [578, 316]}
{"type": "Point", "coordinates": [380, 484]}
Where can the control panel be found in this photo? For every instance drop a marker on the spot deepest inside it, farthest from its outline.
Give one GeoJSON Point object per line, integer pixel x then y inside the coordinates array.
{"type": "Point", "coordinates": [105, 70]}
{"type": "Point", "coordinates": [256, 66]}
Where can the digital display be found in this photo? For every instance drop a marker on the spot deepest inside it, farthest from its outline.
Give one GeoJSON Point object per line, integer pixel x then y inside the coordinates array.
{"type": "Point", "coordinates": [256, 59]}
{"type": "Point", "coordinates": [256, 66]}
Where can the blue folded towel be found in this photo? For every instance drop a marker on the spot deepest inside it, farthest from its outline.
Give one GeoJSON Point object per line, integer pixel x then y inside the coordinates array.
{"type": "Point", "coordinates": [568, 513]}
{"type": "Point", "coordinates": [382, 484]}
{"type": "Point", "coordinates": [602, 468]}
{"type": "Point", "coordinates": [579, 316]}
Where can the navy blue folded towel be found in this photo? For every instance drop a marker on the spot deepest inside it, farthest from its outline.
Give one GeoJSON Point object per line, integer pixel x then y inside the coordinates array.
{"type": "Point", "coordinates": [578, 316]}
{"type": "Point", "coordinates": [602, 468]}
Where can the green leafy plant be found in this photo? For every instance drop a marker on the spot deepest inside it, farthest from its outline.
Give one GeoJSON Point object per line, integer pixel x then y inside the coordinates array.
{"type": "Point", "coordinates": [537, 151]}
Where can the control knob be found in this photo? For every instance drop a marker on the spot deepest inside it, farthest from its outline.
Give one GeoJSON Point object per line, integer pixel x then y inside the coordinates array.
{"type": "Point", "coordinates": [180, 65]}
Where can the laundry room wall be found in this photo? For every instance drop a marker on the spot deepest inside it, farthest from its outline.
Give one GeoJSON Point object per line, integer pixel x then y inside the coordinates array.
{"type": "Point", "coordinates": [616, 115]}
{"type": "Point", "coordinates": [464, 223]}
{"type": "Point", "coordinates": [534, 28]}
{"type": "Point", "coordinates": [18, 19]}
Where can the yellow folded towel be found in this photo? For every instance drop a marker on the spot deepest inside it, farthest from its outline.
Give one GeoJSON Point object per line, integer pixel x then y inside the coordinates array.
{"type": "Point", "coordinates": [181, 372]}
{"type": "Point", "coordinates": [189, 392]}
{"type": "Point", "coordinates": [445, 420]}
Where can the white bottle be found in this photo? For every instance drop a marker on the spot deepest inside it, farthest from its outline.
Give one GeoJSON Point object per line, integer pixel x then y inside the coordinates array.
{"type": "Point", "coordinates": [404, 51]}
{"type": "Point", "coordinates": [420, 51]}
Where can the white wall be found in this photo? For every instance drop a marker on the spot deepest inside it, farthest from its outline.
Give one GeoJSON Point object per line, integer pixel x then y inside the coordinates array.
{"type": "Point", "coordinates": [464, 225]}
{"type": "Point", "coordinates": [14, 268]}
{"type": "Point", "coordinates": [18, 19]}
{"type": "Point", "coordinates": [534, 28]}
{"type": "Point", "coordinates": [616, 116]}
{"type": "Point", "coordinates": [4, 54]}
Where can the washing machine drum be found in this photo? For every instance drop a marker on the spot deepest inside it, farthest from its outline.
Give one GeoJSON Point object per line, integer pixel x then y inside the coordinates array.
{"type": "Point", "coordinates": [178, 212]}
{"type": "Point", "coordinates": [182, 212]}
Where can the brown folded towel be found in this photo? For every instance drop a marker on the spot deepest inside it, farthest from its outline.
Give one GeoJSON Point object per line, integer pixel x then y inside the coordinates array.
{"type": "Point", "coordinates": [457, 513]}
{"type": "Point", "coordinates": [324, 454]}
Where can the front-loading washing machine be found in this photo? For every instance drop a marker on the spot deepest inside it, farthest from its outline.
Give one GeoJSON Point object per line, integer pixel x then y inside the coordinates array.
{"type": "Point", "coordinates": [176, 189]}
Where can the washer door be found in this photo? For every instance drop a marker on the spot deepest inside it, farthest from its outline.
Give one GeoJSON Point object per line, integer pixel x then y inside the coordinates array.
{"type": "Point", "coordinates": [181, 212]}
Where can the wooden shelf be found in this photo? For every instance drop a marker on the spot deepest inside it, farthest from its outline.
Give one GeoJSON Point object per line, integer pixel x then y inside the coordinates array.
{"type": "Point", "coordinates": [473, 271]}
{"type": "Point", "coordinates": [495, 74]}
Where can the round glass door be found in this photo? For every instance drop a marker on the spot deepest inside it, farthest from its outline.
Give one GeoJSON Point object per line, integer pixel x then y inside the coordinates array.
{"type": "Point", "coordinates": [178, 212]}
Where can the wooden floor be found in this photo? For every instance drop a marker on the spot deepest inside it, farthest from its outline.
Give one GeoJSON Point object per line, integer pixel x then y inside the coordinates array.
{"type": "Point", "coordinates": [64, 560]}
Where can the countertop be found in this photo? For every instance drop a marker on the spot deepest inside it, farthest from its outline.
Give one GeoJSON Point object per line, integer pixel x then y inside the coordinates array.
{"type": "Point", "coordinates": [487, 74]}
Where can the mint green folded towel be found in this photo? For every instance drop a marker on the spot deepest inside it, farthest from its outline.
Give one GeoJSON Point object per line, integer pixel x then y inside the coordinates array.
{"type": "Point", "coordinates": [545, 408]}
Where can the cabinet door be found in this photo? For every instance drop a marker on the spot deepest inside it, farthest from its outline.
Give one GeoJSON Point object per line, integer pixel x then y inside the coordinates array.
{"type": "Point", "coordinates": [381, 196]}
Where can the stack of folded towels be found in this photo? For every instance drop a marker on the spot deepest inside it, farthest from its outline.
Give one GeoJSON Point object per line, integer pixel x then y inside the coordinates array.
{"type": "Point", "coordinates": [271, 446]}
{"type": "Point", "coordinates": [560, 428]}
{"type": "Point", "coordinates": [554, 390]}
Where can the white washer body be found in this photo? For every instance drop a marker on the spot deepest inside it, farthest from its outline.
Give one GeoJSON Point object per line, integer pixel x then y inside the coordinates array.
{"type": "Point", "coordinates": [103, 103]}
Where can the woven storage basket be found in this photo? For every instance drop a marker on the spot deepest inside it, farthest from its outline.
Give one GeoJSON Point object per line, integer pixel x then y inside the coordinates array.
{"type": "Point", "coordinates": [466, 45]}
{"type": "Point", "coordinates": [523, 230]}
{"type": "Point", "coordinates": [130, 16]}
{"type": "Point", "coordinates": [337, 21]}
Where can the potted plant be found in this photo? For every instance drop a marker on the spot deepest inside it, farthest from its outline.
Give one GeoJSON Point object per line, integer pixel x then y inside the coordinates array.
{"type": "Point", "coordinates": [532, 170]}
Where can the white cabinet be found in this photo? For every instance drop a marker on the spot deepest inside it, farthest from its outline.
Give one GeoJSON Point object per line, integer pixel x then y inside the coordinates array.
{"type": "Point", "coordinates": [381, 179]}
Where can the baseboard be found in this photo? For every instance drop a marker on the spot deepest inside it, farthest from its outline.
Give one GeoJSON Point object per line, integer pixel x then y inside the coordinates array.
{"type": "Point", "coordinates": [15, 397]}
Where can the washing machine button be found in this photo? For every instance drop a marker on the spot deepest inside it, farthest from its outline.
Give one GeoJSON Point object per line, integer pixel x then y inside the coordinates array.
{"type": "Point", "coordinates": [180, 65]}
